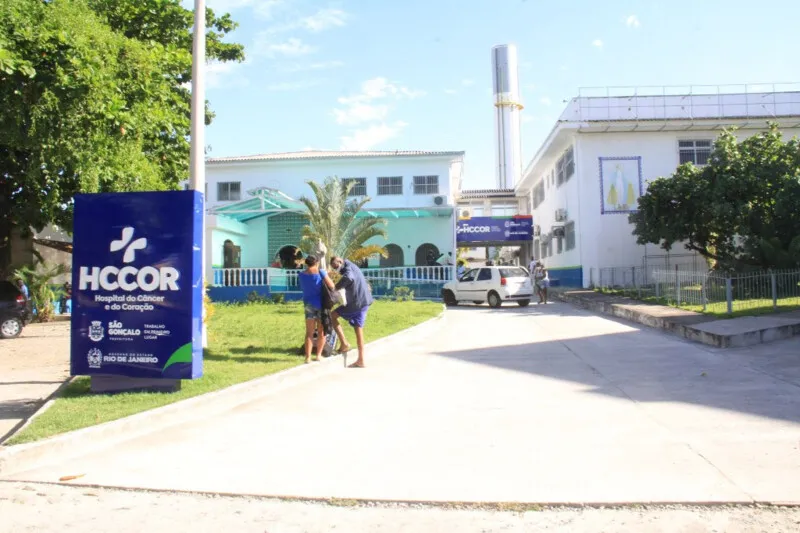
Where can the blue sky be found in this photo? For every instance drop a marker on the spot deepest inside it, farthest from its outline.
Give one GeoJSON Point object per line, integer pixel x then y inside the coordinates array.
{"type": "Point", "coordinates": [414, 74]}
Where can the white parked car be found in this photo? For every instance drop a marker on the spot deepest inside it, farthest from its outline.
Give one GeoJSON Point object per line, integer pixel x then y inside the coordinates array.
{"type": "Point", "coordinates": [492, 284]}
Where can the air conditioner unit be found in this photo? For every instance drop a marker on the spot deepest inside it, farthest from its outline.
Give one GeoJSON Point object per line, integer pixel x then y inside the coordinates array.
{"type": "Point", "coordinates": [561, 215]}
{"type": "Point", "coordinates": [440, 200]}
{"type": "Point", "coordinates": [465, 212]}
{"type": "Point", "coordinates": [558, 231]}
{"type": "Point", "coordinates": [537, 230]}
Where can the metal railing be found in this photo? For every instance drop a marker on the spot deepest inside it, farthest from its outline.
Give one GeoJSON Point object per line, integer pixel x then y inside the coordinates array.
{"type": "Point", "coordinates": [707, 291]}
{"type": "Point", "coordinates": [281, 279]}
{"type": "Point", "coordinates": [685, 102]}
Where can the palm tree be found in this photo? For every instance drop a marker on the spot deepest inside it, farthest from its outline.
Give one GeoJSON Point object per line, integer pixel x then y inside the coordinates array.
{"type": "Point", "coordinates": [43, 294]}
{"type": "Point", "coordinates": [334, 220]}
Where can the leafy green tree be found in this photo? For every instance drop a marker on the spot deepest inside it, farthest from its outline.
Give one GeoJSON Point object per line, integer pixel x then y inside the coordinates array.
{"type": "Point", "coordinates": [93, 98]}
{"type": "Point", "coordinates": [334, 220]}
{"type": "Point", "coordinates": [738, 211]}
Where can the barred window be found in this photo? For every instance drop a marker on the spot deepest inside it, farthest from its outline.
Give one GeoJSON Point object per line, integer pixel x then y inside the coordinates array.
{"type": "Point", "coordinates": [229, 191]}
{"type": "Point", "coordinates": [359, 186]}
{"type": "Point", "coordinates": [694, 151]}
{"type": "Point", "coordinates": [426, 184]}
{"type": "Point", "coordinates": [390, 186]}
{"type": "Point", "coordinates": [569, 235]}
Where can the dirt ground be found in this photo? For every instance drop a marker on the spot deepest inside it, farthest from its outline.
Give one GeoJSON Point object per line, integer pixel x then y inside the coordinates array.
{"type": "Point", "coordinates": [58, 508]}
{"type": "Point", "coordinates": [32, 367]}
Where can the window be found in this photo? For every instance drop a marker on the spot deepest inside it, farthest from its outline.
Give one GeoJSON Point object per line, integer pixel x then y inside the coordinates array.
{"type": "Point", "coordinates": [470, 275]}
{"type": "Point", "coordinates": [477, 211]}
{"type": "Point", "coordinates": [485, 275]}
{"type": "Point", "coordinates": [538, 194]}
{"type": "Point", "coordinates": [359, 186]}
{"type": "Point", "coordinates": [426, 184]}
{"type": "Point", "coordinates": [569, 235]}
{"type": "Point", "coordinates": [565, 167]}
{"type": "Point", "coordinates": [560, 245]}
{"type": "Point", "coordinates": [229, 191]}
{"type": "Point", "coordinates": [513, 273]}
{"type": "Point", "coordinates": [537, 249]}
{"type": "Point", "coordinates": [390, 186]}
{"type": "Point", "coordinates": [569, 163]}
{"type": "Point", "coordinates": [696, 152]}
{"type": "Point", "coordinates": [504, 210]}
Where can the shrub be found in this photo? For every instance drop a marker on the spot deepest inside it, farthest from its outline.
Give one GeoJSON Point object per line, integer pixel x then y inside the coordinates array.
{"type": "Point", "coordinates": [42, 292]}
{"type": "Point", "coordinates": [278, 299]}
{"type": "Point", "coordinates": [256, 298]}
{"type": "Point", "coordinates": [402, 294]}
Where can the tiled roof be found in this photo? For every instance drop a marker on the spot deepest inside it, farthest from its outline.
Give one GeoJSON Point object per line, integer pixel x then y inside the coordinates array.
{"type": "Point", "coordinates": [485, 193]}
{"type": "Point", "coordinates": [322, 154]}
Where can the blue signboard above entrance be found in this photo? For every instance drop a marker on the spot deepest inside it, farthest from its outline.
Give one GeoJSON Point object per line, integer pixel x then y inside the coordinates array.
{"type": "Point", "coordinates": [495, 229]}
{"type": "Point", "coordinates": [137, 285]}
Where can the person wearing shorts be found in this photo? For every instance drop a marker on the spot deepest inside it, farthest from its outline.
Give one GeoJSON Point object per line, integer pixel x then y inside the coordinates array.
{"type": "Point", "coordinates": [358, 299]}
{"type": "Point", "coordinates": [311, 280]}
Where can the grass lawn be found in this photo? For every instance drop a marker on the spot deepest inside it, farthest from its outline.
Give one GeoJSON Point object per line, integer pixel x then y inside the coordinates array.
{"type": "Point", "coordinates": [245, 342]}
{"type": "Point", "coordinates": [751, 307]}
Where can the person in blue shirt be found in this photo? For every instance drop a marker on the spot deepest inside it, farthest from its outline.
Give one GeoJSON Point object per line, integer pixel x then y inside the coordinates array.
{"type": "Point", "coordinates": [358, 299]}
{"type": "Point", "coordinates": [23, 289]}
{"type": "Point", "coordinates": [311, 280]}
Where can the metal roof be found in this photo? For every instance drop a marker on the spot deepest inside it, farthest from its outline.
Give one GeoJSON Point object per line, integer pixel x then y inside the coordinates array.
{"type": "Point", "coordinates": [485, 193]}
{"type": "Point", "coordinates": [268, 201]}
{"type": "Point", "coordinates": [331, 154]}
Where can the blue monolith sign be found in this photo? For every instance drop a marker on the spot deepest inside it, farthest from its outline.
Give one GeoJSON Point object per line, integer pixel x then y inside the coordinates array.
{"type": "Point", "coordinates": [137, 285]}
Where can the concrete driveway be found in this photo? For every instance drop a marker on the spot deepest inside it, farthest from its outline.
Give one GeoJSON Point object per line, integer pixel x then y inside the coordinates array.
{"type": "Point", "coordinates": [545, 404]}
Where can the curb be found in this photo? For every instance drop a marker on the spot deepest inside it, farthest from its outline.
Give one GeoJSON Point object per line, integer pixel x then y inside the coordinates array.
{"type": "Point", "coordinates": [687, 331]}
{"type": "Point", "coordinates": [46, 404]}
{"type": "Point", "coordinates": [488, 505]}
{"type": "Point", "coordinates": [24, 457]}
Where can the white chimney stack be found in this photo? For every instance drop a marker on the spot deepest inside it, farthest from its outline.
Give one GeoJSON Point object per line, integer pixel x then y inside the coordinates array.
{"type": "Point", "coordinates": [508, 152]}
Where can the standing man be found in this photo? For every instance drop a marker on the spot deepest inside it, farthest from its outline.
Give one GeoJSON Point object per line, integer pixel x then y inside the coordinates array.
{"type": "Point", "coordinates": [359, 298]}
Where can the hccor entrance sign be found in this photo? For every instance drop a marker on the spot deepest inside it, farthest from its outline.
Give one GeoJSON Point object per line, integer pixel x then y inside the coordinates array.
{"type": "Point", "coordinates": [137, 285]}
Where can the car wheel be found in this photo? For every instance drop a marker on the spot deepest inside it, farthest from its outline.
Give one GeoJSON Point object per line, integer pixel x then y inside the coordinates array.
{"type": "Point", "coordinates": [449, 299]}
{"type": "Point", "coordinates": [10, 328]}
{"type": "Point", "coordinates": [524, 303]}
{"type": "Point", "coordinates": [494, 299]}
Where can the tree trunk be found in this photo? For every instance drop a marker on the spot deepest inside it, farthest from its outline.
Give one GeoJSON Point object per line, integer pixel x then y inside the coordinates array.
{"type": "Point", "coordinates": [5, 246]}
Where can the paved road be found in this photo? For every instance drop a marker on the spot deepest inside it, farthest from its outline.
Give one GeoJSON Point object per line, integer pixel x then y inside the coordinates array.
{"type": "Point", "coordinates": [545, 404]}
{"type": "Point", "coordinates": [32, 367]}
{"type": "Point", "coordinates": [56, 509]}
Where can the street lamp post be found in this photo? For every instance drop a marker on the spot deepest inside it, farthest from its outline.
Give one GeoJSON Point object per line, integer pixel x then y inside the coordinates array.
{"type": "Point", "coordinates": [197, 169]}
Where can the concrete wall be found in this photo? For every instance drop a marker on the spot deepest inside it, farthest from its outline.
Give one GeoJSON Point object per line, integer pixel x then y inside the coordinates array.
{"type": "Point", "coordinates": [605, 239]}
{"type": "Point", "coordinates": [290, 177]}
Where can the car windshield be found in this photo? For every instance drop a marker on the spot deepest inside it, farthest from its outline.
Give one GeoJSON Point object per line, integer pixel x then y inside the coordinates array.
{"type": "Point", "coordinates": [512, 273]}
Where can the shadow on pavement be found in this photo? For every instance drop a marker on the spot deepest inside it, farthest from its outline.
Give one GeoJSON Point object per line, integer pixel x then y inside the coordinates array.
{"type": "Point", "coordinates": [650, 366]}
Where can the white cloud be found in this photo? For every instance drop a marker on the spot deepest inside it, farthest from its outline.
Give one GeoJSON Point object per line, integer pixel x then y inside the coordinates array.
{"type": "Point", "coordinates": [324, 19]}
{"type": "Point", "coordinates": [450, 91]}
{"type": "Point", "coordinates": [598, 43]}
{"type": "Point", "coordinates": [226, 74]}
{"type": "Point", "coordinates": [632, 22]}
{"type": "Point", "coordinates": [325, 65]}
{"type": "Point", "coordinates": [368, 138]}
{"type": "Point", "coordinates": [377, 88]}
{"type": "Point", "coordinates": [359, 113]}
{"type": "Point", "coordinates": [467, 83]}
{"type": "Point", "coordinates": [370, 109]}
{"type": "Point", "coordinates": [293, 86]}
{"type": "Point", "coordinates": [263, 8]}
{"type": "Point", "coordinates": [527, 118]}
{"type": "Point", "coordinates": [546, 101]}
{"type": "Point", "coordinates": [292, 47]}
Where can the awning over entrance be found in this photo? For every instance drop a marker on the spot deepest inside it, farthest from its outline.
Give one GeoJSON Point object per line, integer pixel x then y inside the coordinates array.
{"type": "Point", "coordinates": [265, 201]}
{"type": "Point", "coordinates": [268, 201]}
